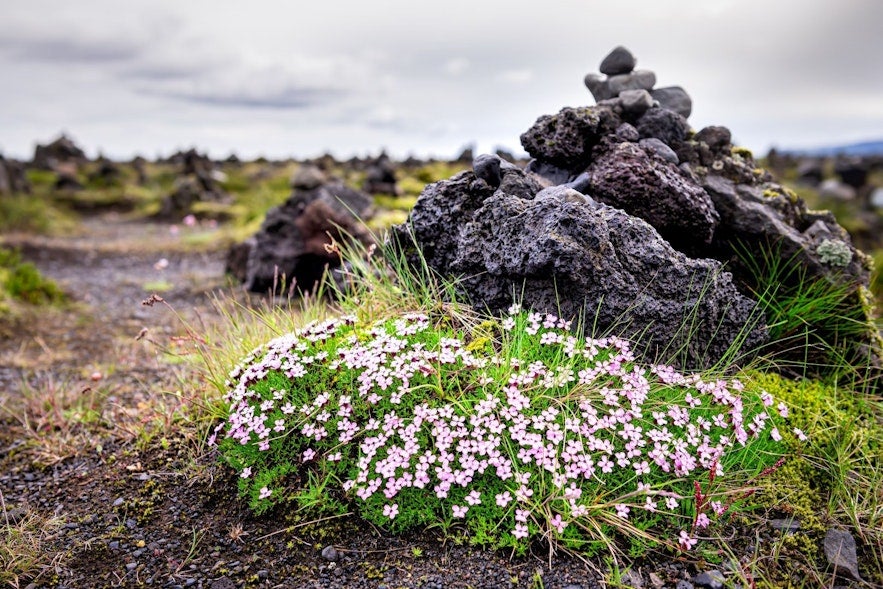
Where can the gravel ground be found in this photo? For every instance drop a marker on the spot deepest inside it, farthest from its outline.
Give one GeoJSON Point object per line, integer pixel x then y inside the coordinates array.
{"type": "Point", "coordinates": [130, 511]}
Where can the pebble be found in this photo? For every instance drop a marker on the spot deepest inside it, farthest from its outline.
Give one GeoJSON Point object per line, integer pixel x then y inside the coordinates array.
{"type": "Point", "coordinates": [618, 61]}
{"type": "Point", "coordinates": [674, 98]}
{"type": "Point", "coordinates": [710, 579]}
{"type": "Point", "coordinates": [682, 584]}
{"type": "Point", "coordinates": [785, 525]}
{"type": "Point", "coordinates": [656, 581]}
{"type": "Point", "coordinates": [330, 553]}
{"type": "Point", "coordinates": [487, 167]}
{"type": "Point", "coordinates": [656, 146]}
{"type": "Point", "coordinates": [635, 102]}
{"type": "Point", "coordinates": [840, 550]}
{"type": "Point", "coordinates": [114, 545]}
{"type": "Point", "coordinates": [118, 501]}
{"type": "Point", "coordinates": [632, 579]}
{"type": "Point", "coordinates": [131, 566]}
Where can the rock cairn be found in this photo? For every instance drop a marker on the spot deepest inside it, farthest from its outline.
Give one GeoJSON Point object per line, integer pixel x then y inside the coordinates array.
{"type": "Point", "coordinates": [290, 251]}
{"type": "Point", "coordinates": [199, 181]}
{"type": "Point", "coordinates": [635, 88]}
{"type": "Point", "coordinates": [12, 177]}
{"type": "Point", "coordinates": [628, 217]}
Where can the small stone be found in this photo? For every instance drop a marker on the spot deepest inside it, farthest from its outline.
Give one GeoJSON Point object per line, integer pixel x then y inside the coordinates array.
{"type": "Point", "coordinates": [131, 566]}
{"type": "Point", "coordinates": [632, 579]}
{"type": "Point", "coordinates": [223, 583]}
{"type": "Point", "coordinates": [573, 586]}
{"type": "Point", "coordinates": [710, 579]}
{"type": "Point", "coordinates": [656, 581]}
{"type": "Point", "coordinates": [114, 545]}
{"type": "Point", "coordinates": [14, 515]}
{"type": "Point", "coordinates": [627, 132]}
{"type": "Point", "coordinates": [637, 80]}
{"type": "Point", "coordinates": [674, 98]}
{"type": "Point", "coordinates": [487, 168]}
{"type": "Point", "coordinates": [839, 548]}
{"type": "Point", "coordinates": [308, 177]}
{"type": "Point", "coordinates": [654, 145]}
{"type": "Point", "coordinates": [635, 102]}
{"type": "Point", "coordinates": [682, 584]}
{"type": "Point", "coordinates": [618, 61]}
{"type": "Point", "coordinates": [715, 137]}
{"type": "Point", "coordinates": [785, 525]}
{"type": "Point", "coordinates": [263, 574]}
{"type": "Point", "coordinates": [598, 86]}
{"type": "Point", "coordinates": [581, 183]}
{"type": "Point", "coordinates": [330, 553]}
{"type": "Point", "coordinates": [563, 193]}
{"type": "Point", "coordinates": [118, 501]}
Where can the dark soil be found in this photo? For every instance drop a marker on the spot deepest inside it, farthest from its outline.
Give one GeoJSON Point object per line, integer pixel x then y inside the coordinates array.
{"type": "Point", "coordinates": [136, 509]}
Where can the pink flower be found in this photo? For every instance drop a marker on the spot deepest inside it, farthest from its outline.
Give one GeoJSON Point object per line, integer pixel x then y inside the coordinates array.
{"type": "Point", "coordinates": [473, 498]}
{"type": "Point", "coordinates": [686, 542]}
{"type": "Point", "coordinates": [774, 434]}
{"type": "Point", "coordinates": [783, 409]}
{"type": "Point", "coordinates": [265, 493]}
{"type": "Point", "coordinates": [702, 521]}
{"type": "Point", "coordinates": [391, 511]}
{"type": "Point", "coordinates": [503, 499]}
{"type": "Point", "coordinates": [800, 435]}
{"type": "Point", "coordinates": [557, 523]}
{"type": "Point", "coordinates": [622, 511]}
{"type": "Point", "coordinates": [459, 510]}
{"type": "Point", "coordinates": [671, 503]}
{"type": "Point", "coordinates": [520, 531]}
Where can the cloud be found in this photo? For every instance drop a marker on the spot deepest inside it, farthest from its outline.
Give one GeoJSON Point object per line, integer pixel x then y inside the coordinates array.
{"type": "Point", "coordinates": [516, 76]}
{"type": "Point", "coordinates": [291, 97]}
{"type": "Point", "coordinates": [68, 50]}
{"type": "Point", "coordinates": [456, 66]}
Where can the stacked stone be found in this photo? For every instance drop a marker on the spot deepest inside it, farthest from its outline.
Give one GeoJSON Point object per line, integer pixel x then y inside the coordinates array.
{"type": "Point", "coordinates": [633, 89]}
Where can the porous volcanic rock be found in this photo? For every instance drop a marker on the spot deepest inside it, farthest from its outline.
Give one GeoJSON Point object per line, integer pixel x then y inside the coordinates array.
{"type": "Point", "coordinates": [705, 198]}
{"type": "Point", "coordinates": [644, 184]}
{"type": "Point", "coordinates": [575, 257]}
{"type": "Point", "coordinates": [12, 177]}
{"type": "Point", "coordinates": [290, 251]}
{"type": "Point", "coordinates": [61, 151]}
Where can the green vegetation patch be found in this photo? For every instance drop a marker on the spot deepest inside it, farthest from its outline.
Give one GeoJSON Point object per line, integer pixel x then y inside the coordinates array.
{"type": "Point", "coordinates": [22, 281]}
{"type": "Point", "coordinates": [509, 433]}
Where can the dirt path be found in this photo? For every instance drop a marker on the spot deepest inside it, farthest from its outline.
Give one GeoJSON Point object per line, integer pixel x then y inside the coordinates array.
{"type": "Point", "coordinates": [107, 505]}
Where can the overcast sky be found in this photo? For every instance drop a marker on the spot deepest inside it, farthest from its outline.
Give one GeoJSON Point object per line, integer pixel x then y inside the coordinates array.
{"type": "Point", "coordinates": [286, 78]}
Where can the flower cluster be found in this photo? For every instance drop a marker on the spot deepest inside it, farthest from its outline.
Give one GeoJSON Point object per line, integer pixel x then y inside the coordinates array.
{"type": "Point", "coordinates": [535, 432]}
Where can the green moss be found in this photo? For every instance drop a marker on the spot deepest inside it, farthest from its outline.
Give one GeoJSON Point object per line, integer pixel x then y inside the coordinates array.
{"type": "Point", "coordinates": [23, 282]}
{"type": "Point", "coordinates": [742, 152]}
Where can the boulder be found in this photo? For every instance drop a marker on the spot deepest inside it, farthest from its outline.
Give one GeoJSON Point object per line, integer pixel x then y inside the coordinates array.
{"type": "Point", "coordinates": [188, 190]}
{"type": "Point", "coordinates": [834, 189]}
{"type": "Point", "coordinates": [290, 252]}
{"type": "Point", "coordinates": [13, 178]}
{"type": "Point", "coordinates": [61, 151]}
{"type": "Point", "coordinates": [626, 176]}
{"type": "Point", "coordinates": [852, 172]}
{"type": "Point", "coordinates": [380, 177]}
{"type": "Point", "coordinates": [809, 171]}
{"type": "Point", "coordinates": [560, 252]}
{"type": "Point", "coordinates": [308, 177]}
{"type": "Point", "coordinates": [566, 139]}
